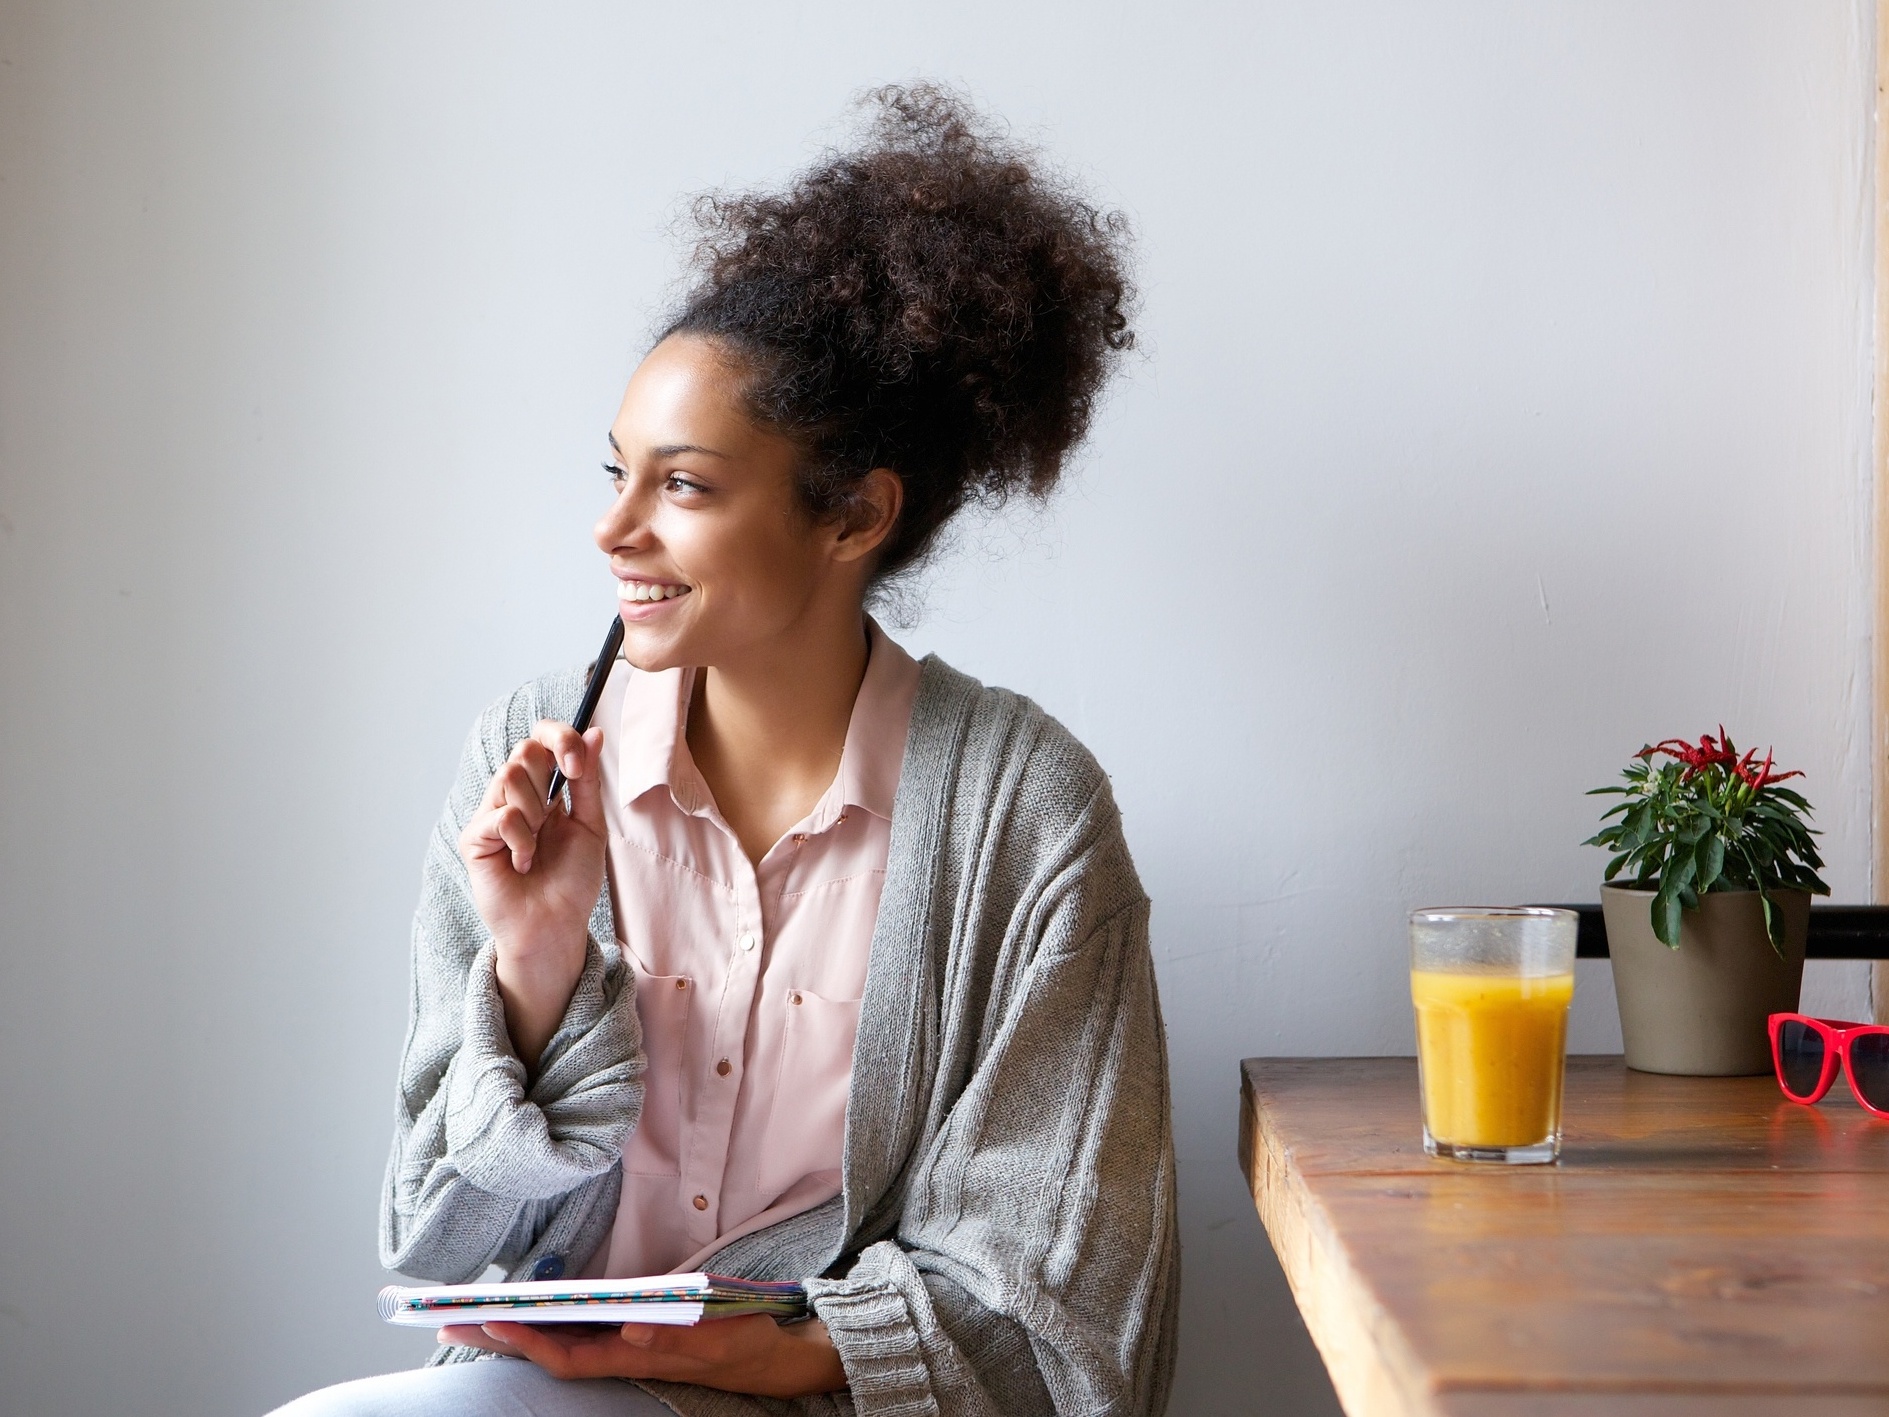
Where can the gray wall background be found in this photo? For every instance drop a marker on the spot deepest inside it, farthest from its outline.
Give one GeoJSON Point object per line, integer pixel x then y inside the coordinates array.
{"type": "Point", "coordinates": [1503, 403]}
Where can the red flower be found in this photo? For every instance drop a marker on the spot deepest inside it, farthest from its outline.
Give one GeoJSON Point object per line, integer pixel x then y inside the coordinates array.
{"type": "Point", "coordinates": [1712, 752]}
{"type": "Point", "coordinates": [1762, 777]}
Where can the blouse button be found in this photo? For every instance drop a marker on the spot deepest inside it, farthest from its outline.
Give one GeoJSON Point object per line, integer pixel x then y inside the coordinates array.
{"type": "Point", "coordinates": [701, 1202]}
{"type": "Point", "coordinates": [722, 1067]}
{"type": "Point", "coordinates": [747, 942]}
{"type": "Point", "coordinates": [795, 996]}
{"type": "Point", "coordinates": [682, 983]}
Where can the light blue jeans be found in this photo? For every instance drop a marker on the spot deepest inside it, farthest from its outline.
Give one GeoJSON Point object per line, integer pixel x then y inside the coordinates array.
{"type": "Point", "coordinates": [494, 1387]}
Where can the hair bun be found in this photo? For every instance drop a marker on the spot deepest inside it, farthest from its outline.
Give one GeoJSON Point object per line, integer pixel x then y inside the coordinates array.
{"type": "Point", "coordinates": [931, 300]}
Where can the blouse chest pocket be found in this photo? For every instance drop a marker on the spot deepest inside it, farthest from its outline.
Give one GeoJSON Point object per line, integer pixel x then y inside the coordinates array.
{"type": "Point", "coordinates": [806, 1128]}
{"type": "Point", "coordinates": [654, 1148]}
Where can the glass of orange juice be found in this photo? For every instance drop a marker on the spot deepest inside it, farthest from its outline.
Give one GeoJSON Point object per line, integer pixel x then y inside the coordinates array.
{"type": "Point", "coordinates": [1492, 985]}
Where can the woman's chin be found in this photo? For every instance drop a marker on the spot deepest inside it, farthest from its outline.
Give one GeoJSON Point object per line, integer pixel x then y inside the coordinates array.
{"type": "Point", "coordinates": [653, 649]}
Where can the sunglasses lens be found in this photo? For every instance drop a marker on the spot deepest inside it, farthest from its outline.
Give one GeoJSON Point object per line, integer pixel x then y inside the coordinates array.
{"type": "Point", "coordinates": [1800, 1057]}
{"type": "Point", "coordinates": [1869, 1068]}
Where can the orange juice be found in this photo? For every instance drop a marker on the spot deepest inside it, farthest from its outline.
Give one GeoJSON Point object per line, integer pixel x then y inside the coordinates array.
{"type": "Point", "coordinates": [1489, 1048]}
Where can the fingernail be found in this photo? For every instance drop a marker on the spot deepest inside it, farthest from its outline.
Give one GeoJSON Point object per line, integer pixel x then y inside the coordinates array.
{"type": "Point", "coordinates": [573, 765]}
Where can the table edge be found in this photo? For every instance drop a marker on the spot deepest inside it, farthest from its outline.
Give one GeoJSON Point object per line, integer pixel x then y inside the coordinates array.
{"type": "Point", "coordinates": [1370, 1362]}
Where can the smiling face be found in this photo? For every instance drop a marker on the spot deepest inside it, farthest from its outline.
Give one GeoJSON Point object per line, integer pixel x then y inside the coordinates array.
{"type": "Point", "coordinates": [717, 559]}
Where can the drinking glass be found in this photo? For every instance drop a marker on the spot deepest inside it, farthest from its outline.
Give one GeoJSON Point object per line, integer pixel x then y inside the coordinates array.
{"type": "Point", "coordinates": [1491, 986]}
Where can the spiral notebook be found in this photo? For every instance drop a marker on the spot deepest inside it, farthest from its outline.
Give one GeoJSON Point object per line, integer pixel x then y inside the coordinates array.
{"type": "Point", "coordinates": [662, 1299]}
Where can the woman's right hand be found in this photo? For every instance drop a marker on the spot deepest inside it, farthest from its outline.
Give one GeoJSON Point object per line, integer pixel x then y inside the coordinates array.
{"type": "Point", "coordinates": [536, 873]}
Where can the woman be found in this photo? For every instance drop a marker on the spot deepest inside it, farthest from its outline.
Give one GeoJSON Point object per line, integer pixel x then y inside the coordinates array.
{"type": "Point", "coordinates": [836, 966]}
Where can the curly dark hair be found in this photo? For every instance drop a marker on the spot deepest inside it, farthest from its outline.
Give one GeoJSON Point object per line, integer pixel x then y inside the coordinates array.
{"type": "Point", "coordinates": [932, 301]}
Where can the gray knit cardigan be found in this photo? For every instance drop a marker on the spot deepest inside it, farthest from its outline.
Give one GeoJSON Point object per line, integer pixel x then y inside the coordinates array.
{"type": "Point", "coordinates": [1005, 1239]}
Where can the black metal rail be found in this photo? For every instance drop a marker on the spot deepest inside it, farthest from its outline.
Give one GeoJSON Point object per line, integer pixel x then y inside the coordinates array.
{"type": "Point", "coordinates": [1836, 932]}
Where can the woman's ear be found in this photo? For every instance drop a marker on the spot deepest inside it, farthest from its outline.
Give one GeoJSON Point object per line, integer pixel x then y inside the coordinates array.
{"type": "Point", "coordinates": [872, 510]}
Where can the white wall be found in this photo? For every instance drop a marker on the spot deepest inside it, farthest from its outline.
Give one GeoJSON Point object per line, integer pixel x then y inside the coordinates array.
{"type": "Point", "coordinates": [1503, 403]}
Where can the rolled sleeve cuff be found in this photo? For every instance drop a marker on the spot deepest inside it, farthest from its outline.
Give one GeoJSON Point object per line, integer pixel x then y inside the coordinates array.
{"type": "Point", "coordinates": [536, 1146]}
{"type": "Point", "coordinates": [873, 1330]}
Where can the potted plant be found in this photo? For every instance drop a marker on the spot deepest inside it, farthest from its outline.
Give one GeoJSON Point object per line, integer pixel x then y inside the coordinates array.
{"type": "Point", "coordinates": [1707, 904]}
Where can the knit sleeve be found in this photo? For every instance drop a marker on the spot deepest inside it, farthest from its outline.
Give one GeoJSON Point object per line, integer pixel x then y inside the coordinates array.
{"type": "Point", "coordinates": [1034, 1267]}
{"type": "Point", "coordinates": [485, 1158]}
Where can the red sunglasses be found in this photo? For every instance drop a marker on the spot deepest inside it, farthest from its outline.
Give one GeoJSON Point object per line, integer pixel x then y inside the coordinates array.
{"type": "Point", "coordinates": [1809, 1052]}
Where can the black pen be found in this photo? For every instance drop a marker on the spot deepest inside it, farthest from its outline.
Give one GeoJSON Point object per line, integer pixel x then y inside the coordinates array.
{"type": "Point", "coordinates": [593, 691]}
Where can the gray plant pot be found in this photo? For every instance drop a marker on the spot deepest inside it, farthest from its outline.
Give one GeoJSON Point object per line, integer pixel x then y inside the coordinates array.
{"type": "Point", "coordinates": [1701, 1009]}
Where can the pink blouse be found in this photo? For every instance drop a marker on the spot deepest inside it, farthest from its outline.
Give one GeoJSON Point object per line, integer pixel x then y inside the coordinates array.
{"type": "Point", "coordinates": [748, 978]}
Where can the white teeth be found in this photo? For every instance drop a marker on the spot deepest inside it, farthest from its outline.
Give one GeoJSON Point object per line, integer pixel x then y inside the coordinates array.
{"type": "Point", "coordinates": [639, 591]}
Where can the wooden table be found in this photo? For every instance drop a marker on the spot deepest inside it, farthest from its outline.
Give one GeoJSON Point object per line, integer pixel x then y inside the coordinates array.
{"type": "Point", "coordinates": [1703, 1246]}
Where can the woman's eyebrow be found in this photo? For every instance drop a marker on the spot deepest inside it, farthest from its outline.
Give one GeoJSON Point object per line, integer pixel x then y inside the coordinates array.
{"type": "Point", "coordinates": [669, 450]}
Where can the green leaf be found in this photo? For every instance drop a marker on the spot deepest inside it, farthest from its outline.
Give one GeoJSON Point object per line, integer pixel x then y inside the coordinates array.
{"type": "Point", "coordinates": [1666, 917]}
{"type": "Point", "coordinates": [1773, 923]}
{"type": "Point", "coordinates": [1613, 866]}
{"type": "Point", "coordinates": [1711, 860]}
{"type": "Point", "coordinates": [1756, 879]}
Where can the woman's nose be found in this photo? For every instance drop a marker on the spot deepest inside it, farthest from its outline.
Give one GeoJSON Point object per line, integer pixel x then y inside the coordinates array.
{"type": "Point", "coordinates": [625, 525]}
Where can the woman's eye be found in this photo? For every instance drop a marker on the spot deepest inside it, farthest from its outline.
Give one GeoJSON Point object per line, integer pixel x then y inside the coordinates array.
{"type": "Point", "coordinates": [678, 483]}
{"type": "Point", "coordinates": [616, 474]}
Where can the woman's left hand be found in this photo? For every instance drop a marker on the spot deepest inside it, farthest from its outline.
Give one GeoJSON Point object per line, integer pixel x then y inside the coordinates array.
{"type": "Point", "coordinates": [751, 1354]}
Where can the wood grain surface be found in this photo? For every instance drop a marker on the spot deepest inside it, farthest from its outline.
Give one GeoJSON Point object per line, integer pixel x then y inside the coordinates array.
{"type": "Point", "coordinates": [1702, 1246]}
